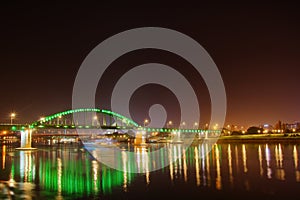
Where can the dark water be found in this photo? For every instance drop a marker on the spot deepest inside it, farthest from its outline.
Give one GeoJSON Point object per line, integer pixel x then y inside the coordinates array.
{"type": "Point", "coordinates": [236, 171]}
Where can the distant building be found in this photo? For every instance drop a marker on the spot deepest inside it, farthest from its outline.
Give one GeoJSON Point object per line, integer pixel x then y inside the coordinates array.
{"type": "Point", "coordinates": [278, 125]}
{"type": "Point", "coordinates": [267, 128]}
{"type": "Point", "coordinates": [286, 127]}
{"type": "Point", "coordinates": [292, 126]}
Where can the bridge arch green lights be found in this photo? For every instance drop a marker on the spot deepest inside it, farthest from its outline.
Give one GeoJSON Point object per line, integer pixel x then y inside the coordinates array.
{"type": "Point", "coordinates": [96, 110]}
{"type": "Point", "coordinates": [42, 123]}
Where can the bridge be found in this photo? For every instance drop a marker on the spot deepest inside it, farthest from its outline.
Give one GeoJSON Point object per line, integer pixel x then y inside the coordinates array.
{"type": "Point", "coordinates": [92, 123]}
{"type": "Point", "coordinates": [92, 118]}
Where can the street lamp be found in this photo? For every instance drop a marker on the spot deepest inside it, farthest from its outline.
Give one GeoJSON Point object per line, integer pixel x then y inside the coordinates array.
{"type": "Point", "coordinates": [59, 117]}
{"type": "Point", "coordinates": [95, 118]}
{"type": "Point", "coordinates": [170, 124]}
{"type": "Point", "coordinates": [196, 125]}
{"type": "Point", "coordinates": [183, 125]}
{"type": "Point", "coordinates": [42, 119]}
{"type": "Point", "coordinates": [145, 121]}
{"type": "Point", "coordinates": [206, 126]}
{"type": "Point", "coordinates": [12, 116]}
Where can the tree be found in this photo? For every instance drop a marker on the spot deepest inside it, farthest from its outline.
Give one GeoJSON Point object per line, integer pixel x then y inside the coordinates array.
{"type": "Point", "coordinates": [254, 130]}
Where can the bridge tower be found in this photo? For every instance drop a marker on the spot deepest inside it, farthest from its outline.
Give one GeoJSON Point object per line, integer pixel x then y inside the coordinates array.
{"type": "Point", "coordinates": [140, 138]}
{"type": "Point", "coordinates": [26, 140]}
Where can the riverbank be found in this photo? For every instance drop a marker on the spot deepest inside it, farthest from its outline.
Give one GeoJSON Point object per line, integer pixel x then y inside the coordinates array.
{"type": "Point", "coordinates": [274, 138]}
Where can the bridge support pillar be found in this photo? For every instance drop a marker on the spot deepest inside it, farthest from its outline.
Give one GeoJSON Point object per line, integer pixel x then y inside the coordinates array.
{"type": "Point", "coordinates": [140, 138]}
{"type": "Point", "coordinates": [26, 140]}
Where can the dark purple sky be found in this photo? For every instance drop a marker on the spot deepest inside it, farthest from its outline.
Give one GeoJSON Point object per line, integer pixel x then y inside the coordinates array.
{"type": "Point", "coordinates": [255, 46]}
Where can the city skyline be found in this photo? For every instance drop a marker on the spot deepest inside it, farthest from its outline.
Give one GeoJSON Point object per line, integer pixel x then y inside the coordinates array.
{"type": "Point", "coordinates": [255, 47]}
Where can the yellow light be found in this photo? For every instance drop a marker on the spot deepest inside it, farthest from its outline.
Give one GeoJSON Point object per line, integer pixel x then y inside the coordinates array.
{"type": "Point", "coordinates": [146, 121]}
{"type": "Point", "coordinates": [12, 116]}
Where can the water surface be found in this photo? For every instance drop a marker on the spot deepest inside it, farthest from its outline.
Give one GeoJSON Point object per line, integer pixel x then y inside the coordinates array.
{"type": "Point", "coordinates": [234, 170]}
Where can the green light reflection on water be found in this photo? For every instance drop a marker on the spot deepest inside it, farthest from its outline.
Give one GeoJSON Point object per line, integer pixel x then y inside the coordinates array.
{"type": "Point", "coordinates": [67, 173]}
{"type": "Point", "coordinates": [77, 177]}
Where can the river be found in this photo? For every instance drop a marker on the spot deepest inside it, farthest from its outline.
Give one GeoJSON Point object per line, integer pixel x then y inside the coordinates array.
{"type": "Point", "coordinates": [231, 170]}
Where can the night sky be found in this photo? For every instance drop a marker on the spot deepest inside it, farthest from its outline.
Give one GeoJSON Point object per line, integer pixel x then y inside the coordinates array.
{"type": "Point", "coordinates": [255, 46]}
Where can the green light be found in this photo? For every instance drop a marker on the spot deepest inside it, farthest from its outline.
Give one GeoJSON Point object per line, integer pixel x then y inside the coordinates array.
{"type": "Point", "coordinates": [13, 128]}
{"type": "Point", "coordinates": [60, 114]}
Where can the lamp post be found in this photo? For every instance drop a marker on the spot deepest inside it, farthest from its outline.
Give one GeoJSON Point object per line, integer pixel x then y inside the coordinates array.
{"type": "Point", "coordinates": [195, 125]}
{"type": "Point", "coordinates": [58, 118]}
{"type": "Point", "coordinates": [170, 124]}
{"type": "Point", "coordinates": [42, 119]}
{"type": "Point", "coordinates": [12, 116]}
{"type": "Point", "coordinates": [95, 119]}
{"type": "Point", "coordinates": [216, 126]}
{"type": "Point", "coordinates": [183, 125]}
{"type": "Point", "coordinates": [145, 121]}
{"type": "Point", "coordinates": [206, 126]}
